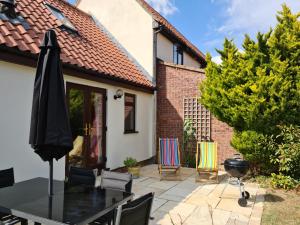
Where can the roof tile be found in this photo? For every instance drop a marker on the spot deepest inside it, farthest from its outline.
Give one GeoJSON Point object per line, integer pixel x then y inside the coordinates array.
{"type": "Point", "coordinates": [90, 48]}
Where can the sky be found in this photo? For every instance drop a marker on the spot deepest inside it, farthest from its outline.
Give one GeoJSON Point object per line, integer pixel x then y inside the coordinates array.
{"type": "Point", "coordinates": [207, 22]}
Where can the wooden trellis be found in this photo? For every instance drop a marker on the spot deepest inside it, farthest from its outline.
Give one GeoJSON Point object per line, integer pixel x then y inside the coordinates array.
{"type": "Point", "coordinates": [200, 117]}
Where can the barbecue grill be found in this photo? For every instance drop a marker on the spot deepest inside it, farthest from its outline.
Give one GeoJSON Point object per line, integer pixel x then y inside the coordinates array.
{"type": "Point", "coordinates": [237, 168]}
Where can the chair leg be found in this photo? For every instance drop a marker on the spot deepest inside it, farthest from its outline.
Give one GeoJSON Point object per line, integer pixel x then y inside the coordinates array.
{"type": "Point", "coordinates": [24, 221]}
{"type": "Point", "coordinates": [217, 174]}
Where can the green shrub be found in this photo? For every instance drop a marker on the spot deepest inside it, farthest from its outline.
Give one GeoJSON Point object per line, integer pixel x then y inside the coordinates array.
{"type": "Point", "coordinates": [283, 181]}
{"type": "Point", "coordinates": [189, 143]}
{"type": "Point", "coordinates": [130, 162]}
{"type": "Point", "coordinates": [189, 134]}
{"type": "Point", "coordinates": [256, 148]}
{"type": "Point", "coordinates": [189, 159]}
{"type": "Point", "coordinates": [287, 151]}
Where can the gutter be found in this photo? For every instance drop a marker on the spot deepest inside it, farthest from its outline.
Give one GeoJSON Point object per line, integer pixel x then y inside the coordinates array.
{"type": "Point", "coordinates": [14, 55]}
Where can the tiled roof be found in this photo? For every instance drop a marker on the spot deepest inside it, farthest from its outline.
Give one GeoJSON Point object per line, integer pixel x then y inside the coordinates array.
{"type": "Point", "coordinates": [159, 18]}
{"type": "Point", "coordinates": [90, 49]}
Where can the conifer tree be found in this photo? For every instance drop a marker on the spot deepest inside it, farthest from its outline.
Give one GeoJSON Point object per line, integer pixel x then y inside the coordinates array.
{"type": "Point", "coordinates": [257, 89]}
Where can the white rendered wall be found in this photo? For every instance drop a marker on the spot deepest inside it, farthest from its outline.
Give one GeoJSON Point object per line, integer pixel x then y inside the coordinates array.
{"type": "Point", "coordinates": [190, 61]}
{"type": "Point", "coordinates": [130, 25]}
{"type": "Point", "coordinates": [164, 48]}
{"type": "Point", "coordinates": [165, 52]}
{"type": "Point", "coordinates": [16, 88]}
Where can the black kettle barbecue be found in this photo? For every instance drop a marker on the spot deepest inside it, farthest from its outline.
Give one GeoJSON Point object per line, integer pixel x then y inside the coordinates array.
{"type": "Point", "coordinates": [237, 167]}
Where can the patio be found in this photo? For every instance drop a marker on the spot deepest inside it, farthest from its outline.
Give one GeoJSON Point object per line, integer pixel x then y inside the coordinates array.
{"type": "Point", "coordinates": [187, 202]}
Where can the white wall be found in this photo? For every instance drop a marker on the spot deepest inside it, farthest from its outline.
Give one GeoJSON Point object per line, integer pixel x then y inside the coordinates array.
{"type": "Point", "coordinates": [130, 25]}
{"type": "Point", "coordinates": [16, 89]}
{"type": "Point", "coordinates": [190, 61]}
{"type": "Point", "coordinates": [165, 52]}
{"type": "Point", "coordinates": [164, 48]}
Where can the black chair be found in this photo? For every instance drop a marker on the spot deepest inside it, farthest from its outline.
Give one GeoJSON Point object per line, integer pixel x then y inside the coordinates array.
{"type": "Point", "coordinates": [136, 212]}
{"type": "Point", "coordinates": [116, 181]}
{"type": "Point", "coordinates": [7, 179]}
{"type": "Point", "coordinates": [79, 176]}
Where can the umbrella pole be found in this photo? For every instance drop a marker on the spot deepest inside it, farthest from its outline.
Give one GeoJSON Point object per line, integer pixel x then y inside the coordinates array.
{"type": "Point", "coordinates": [50, 187]}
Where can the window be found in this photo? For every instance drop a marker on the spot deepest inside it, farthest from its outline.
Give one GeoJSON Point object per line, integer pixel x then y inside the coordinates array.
{"type": "Point", "coordinates": [177, 54]}
{"type": "Point", "coordinates": [129, 113]}
{"type": "Point", "coordinates": [60, 16]}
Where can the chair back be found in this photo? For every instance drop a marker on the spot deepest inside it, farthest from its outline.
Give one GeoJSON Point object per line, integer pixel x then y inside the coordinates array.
{"type": "Point", "coordinates": [117, 181]}
{"type": "Point", "coordinates": [78, 176]}
{"type": "Point", "coordinates": [169, 152]}
{"type": "Point", "coordinates": [7, 177]}
{"type": "Point", "coordinates": [136, 212]}
{"type": "Point", "coordinates": [207, 156]}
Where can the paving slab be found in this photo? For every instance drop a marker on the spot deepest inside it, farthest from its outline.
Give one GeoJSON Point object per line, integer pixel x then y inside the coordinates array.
{"type": "Point", "coordinates": [138, 180]}
{"type": "Point", "coordinates": [142, 190]}
{"type": "Point", "coordinates": [157, 203]}
{"type": "Point", "coordinates": [165, 185]}
{"type": "Point", "coordinates": [171, 197]}
{"type": "Point", "coordinates": [181, 209]}
{"type": "Point", "coordinates": [179, 192]}
{"type": "Point", "coordinates": [237, 218]}
{"type": "Point", "coordinates": [233, 206]}
{"type": "Point", "coordinates": [193, 203]}
{"type": "Point", "coordinates": [201, 215]}
{"type": "Point", "coordinates": [220, 217]}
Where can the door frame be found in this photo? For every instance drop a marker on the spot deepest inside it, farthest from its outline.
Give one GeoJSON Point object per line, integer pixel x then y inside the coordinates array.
{"type": "Point", "coordinates": [87, 90]}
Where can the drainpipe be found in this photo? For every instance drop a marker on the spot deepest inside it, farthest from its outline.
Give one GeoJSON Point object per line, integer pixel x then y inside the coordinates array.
{"type": "Point", "coordinates": [157, 28]}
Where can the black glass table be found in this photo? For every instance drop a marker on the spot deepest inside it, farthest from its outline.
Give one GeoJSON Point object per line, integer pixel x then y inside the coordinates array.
{"type": "Point", "coordinates": [69, 205]}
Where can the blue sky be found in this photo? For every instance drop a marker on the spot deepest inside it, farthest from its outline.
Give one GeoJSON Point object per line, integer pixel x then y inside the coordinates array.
{"type": "Point", "coordinates": [207, 22]}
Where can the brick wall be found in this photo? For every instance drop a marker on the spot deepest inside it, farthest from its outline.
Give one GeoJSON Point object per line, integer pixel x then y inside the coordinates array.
{"type": "Point", "coordinates": [174, 83]}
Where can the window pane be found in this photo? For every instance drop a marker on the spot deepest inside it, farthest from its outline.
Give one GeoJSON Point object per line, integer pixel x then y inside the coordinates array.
{"type": "Point", "coordinates": [175, 54]}
{"type": "Point", "coordinates": [60, 16]}
{"type": "Point", "coordinates": [76, 112]}
{"type": "Point", "coordinates": [180, 57]}
{"type": "Point", "coordinates": [129, 112]}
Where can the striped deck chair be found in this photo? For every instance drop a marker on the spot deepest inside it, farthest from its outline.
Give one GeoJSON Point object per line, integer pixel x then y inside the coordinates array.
{"type": "Point", "coordinates": [169, 155]}
{"type": "Point", "coordinates": [207, 158]}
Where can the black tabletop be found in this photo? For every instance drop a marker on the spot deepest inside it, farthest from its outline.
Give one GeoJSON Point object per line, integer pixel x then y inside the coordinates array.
{"type": "Point", "coordinates": [69, 205]}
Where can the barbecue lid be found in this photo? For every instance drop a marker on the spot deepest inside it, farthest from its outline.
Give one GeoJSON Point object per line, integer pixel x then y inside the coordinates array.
{"type": "Point", "coordinates": [236, 162]}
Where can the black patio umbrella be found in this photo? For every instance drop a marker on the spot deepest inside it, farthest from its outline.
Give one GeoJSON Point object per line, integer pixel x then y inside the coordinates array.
{"type": "Point", "coordinates": [50, 132]}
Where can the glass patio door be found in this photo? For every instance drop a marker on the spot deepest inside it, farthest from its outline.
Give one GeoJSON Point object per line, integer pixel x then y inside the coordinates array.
{"type": "Point", "coordinates": [87, 110]}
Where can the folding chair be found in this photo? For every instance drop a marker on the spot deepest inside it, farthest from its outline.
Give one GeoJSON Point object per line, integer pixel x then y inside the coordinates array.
{"type": "Point", "coordinates": [169, 155]}
{"type": "Point", "coordinates": [207, 158]}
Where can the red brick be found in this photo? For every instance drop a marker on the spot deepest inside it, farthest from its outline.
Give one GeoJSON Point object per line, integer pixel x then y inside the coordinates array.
{"type": "Point", "coordinates": [174, 83]}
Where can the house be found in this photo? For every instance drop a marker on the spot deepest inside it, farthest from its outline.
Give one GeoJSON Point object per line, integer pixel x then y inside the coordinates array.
{"type": "Point", "coordinates": [110, 96]}
{"type": "Point", "coordinates": [172, 62]}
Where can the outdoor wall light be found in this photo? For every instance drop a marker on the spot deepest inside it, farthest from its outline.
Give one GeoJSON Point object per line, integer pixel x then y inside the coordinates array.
{"type": "Point", "coordinates": [119, 94]}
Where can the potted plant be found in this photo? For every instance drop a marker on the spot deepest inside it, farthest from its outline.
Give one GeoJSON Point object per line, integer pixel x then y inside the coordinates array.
{"type": "Point", "coordinates": [132, 166]}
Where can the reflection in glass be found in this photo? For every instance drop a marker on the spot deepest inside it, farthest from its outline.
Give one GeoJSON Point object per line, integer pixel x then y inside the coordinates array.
{"type": "Point", "coordinates": [129, 112]}
{"type": "Point", "coordinates": [96, 131]}
{"type": "Point", "coordinates": [76, 108]}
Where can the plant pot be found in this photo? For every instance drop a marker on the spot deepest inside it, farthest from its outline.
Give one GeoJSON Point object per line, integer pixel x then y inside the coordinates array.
{"type": "Point", "coordinates": [135, 171]}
